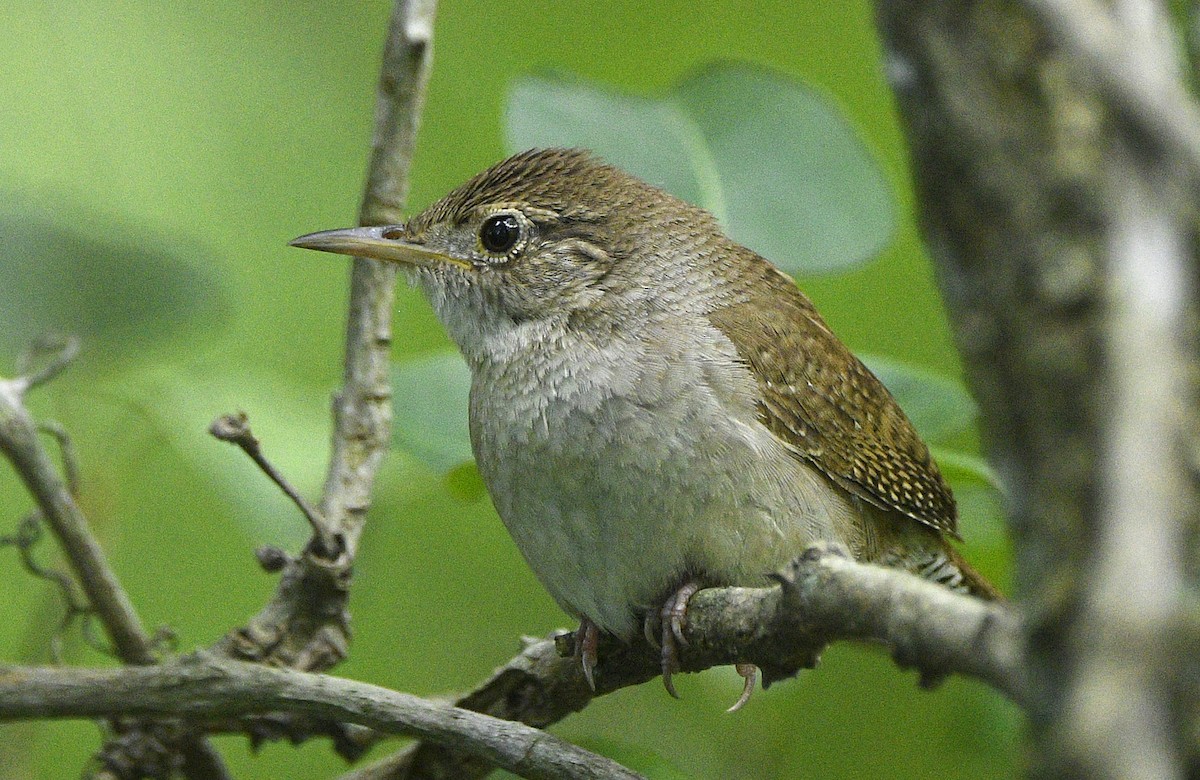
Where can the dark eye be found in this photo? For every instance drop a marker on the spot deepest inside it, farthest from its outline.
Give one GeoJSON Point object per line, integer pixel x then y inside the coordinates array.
{"type": "Point", "coordinates": [500, 233]}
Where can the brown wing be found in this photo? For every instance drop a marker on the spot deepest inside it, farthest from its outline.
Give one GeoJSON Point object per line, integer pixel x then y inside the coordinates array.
{"type": "Point", "coordinates": [828, 406]}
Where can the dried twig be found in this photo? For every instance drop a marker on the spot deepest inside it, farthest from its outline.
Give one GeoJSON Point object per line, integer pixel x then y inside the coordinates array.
{"type": "Point", "coordinates": [107, 598]}
{"type": "Point", "coordinates": [235, 429]}
{"type": "Point", "coordinates": [305, 625]}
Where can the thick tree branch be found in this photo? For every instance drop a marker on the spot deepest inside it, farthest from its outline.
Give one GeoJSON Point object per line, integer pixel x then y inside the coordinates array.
{"type": "Point", "coordinates": [1137, 79]}
{"type": "Point", "coordinates": [823, 597]}
{"type": "Point", "coordinates": [1055, 153]}
{"type": "Point", "coordinates": [203, 685]}
{"type": "Point", "coordinates": [1118, 721]}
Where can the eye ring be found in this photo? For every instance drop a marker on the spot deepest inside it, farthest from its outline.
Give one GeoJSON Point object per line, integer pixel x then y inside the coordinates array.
{"type": "Point", "coordinates": [501, 233]}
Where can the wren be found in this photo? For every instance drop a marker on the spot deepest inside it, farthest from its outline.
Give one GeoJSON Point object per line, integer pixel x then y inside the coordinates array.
{"type": "Point", "coordinates": [654, 407]}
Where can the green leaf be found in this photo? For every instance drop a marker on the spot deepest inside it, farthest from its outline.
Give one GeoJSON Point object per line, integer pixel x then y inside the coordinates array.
{"type": "Point", "coordinates": [774, 160]}
{"type": "Point", "coordinates": [430, 400]}
{"type": "Point", "coordinates": [939, 407]}
{"type": "Point", "coordinates": [126, 291]}
{"type": "Point", "coordinates": [959, 467]}
{"type": "Point", "coordinates": [465, 483]}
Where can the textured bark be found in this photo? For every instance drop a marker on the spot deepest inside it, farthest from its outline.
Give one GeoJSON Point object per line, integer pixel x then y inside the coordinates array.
{"type": "Point", "coordinates": [1046, 187]}
{"type": "Point", "coordinates": [207, 685]}
{"type": "Point", "coordinates": [305, 625]}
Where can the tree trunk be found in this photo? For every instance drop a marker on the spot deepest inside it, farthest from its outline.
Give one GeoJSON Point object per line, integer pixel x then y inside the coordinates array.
{"type": "Point", "coordinates": [1061, 219]}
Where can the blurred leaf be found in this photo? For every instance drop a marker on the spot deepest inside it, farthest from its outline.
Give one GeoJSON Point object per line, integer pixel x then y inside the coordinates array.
{"type": "Point", "coordinates": [958, 466]}
{"type": "Point", "coordinates": [120, 288]}
{"type": "Point", "coordinates": [938, 406]}
{"type": "Point", "coordinates": [774, 160]}
{"type": "Point", "coordinates": [430, 399]}
{"type": "Point", "coordinates": [980, 515]}
{"type": "Point", "coordinates": [160, 405]}
{"type": "Point", "coordinates": [464, 482]}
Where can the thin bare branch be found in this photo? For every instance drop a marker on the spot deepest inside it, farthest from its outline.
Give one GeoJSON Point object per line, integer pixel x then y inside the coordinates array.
{"type": "Point", "coordinates": [204, 685]}
{"type": "Point", "coordinates": [63, 351]}
{"type": "Point", "coordinates": [55, 498]}
{"type": "Point", "coordinates": [306, 625]}
{"type": "Point", "coordinates": [19, 443]}
{"type": "Point", "coordinates": [235, 429]}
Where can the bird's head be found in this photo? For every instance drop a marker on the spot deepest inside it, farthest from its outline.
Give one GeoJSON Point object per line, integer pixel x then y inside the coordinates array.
{"type": "Point", "coordinates": [545, 234]}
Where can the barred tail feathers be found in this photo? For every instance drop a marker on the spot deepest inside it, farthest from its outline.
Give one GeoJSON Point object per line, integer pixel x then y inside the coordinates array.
{"type": "Point", "coordinates": [970, 580]}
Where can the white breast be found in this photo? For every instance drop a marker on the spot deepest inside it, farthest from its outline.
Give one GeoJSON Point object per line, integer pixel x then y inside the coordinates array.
{"type": "Point", "coordinates": [636, 465]}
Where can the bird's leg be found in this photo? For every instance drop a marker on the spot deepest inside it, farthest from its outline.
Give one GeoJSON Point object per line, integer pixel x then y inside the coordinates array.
{"type": "Point", "coordinates": [673, 616]}
{"type": "Point", "coordinates": [587, 637]}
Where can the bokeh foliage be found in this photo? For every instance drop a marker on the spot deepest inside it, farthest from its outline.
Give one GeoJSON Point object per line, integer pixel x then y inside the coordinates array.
{"type": "Point", "coordinates": [155, 158]}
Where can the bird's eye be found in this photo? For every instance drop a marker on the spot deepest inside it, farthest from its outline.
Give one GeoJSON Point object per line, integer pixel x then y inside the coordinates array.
{"type": "Point", "coordinates": [500, 233]}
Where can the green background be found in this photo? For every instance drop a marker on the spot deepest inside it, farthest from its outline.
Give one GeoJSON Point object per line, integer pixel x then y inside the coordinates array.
{"type": "Point", "coordinates": [156, 157]}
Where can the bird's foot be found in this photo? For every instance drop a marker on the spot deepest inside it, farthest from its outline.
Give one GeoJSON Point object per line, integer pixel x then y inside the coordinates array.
{"type": "Point", "coordinates": [673, 617]}
{"type": "Point", "coordinates": [587, 638]}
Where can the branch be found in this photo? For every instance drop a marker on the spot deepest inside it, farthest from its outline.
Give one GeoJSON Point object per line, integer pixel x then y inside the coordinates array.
{"type": "Point", "coordinates": [235, 429]}
{"type": "Point", "coordinates": [306, 623]}
{"type": "Point", "coordinates": [1135, 73]}
{"type": "Point", "coordinates": [824, 596]}
{"type": "Point", "coordinates": [203, 686]}
{"type": "Point", "coordinates": [19, 443]}
{"type": "Point", "coordinates": [1123, 697]}
{"type": "Point", "coordinates": [111, 604]}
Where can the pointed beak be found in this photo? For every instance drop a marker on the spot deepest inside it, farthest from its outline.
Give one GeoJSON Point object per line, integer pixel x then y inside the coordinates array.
{"type": "Point", "coordinates": [389, 243]}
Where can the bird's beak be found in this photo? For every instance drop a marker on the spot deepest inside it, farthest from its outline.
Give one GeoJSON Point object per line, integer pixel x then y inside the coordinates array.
{"type": "Point", "coordinates": [389, 243]}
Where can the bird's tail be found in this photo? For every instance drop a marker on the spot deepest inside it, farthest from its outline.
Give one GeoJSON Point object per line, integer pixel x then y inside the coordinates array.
{"type": "Point", "coordinates": [968, 579]}
{"type": "Point", "coordinates": [926, 552]}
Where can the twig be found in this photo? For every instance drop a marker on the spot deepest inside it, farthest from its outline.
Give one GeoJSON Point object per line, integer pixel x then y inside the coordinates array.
{"type": "Point", "coordinates": [823, 597]}
{"type": "Point", "coordinates": [305, 625]}
{"type": "Point", "coordinates": [235, 429]}
{"type": "Point", "coordinates": [109, 601]}
{"type": "Point", "coordinates": [66, 448]}
{"type": "Point", "coordinates": [65, 350]}
{"type": "Point", "coordinates": [19, 443]}
{"type": "Point", "coordinates": [203, 686]}
{"type": "Point", "coordinates": [24, 540]}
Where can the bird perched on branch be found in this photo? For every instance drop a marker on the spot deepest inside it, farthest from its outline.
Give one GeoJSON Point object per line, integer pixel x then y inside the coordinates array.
{"type": "Point", "coordinates": [655, 408]}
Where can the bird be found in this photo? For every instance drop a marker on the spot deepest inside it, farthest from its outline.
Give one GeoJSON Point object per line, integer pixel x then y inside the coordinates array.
{"type": "Point", "coordinates": [655, 408]}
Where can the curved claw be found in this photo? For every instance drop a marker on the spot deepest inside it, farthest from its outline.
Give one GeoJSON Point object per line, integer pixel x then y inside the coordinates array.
{"type": "Point", "coordinates": [673, 616]}
{"type": "Point", "coordinates": [587, 639]}
{"type": "Point", "coordinates": [749, 673]}
{"type": "Point", "coordinates": [667, 672]}
{"type": "Point", "coordinates": [648, 631]}
{"type": "Point", "coordinates": [674, 611]}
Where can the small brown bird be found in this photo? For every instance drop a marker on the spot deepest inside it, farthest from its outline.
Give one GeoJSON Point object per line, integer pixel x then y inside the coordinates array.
{"type": "Point", "coordinates": [655, 408]}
